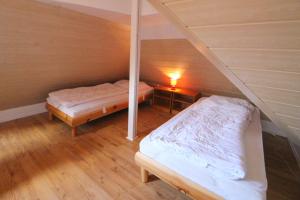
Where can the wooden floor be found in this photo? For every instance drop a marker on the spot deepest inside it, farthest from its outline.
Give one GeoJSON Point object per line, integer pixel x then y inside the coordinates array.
{"type": "Point", "coordinates": [40, 160]}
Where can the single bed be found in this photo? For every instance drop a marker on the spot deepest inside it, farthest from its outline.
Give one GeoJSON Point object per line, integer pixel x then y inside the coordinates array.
{"type": "Point", "coordinates": [74, 110]}
{"type": "Point", "coordinates": [189, 176]}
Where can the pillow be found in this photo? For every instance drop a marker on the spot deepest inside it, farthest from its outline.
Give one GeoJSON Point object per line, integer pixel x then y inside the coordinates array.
{"type": "Point", "coordinates": [125, 84]}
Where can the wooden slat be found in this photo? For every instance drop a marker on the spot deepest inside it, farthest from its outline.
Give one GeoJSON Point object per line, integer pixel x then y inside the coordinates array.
{"type": "Point", "coordinates": [290, 121]}
{"type": "Point", "coordinates": [210, 12]}
{"type": "Point", "coordinates": [276, 60]}
{"type": "Point", "coordinates": [285, 109]}
{"type": "Point", "coordinates": [281, 80]}
{"type": "Point", "coordinates": [282, 96]}
{"type": "Point", "coordinates": [179, 51]}
{"type": "Point", "coordinates": [281, 35]}
{"type": "Point", "coordinates": [296, 132]}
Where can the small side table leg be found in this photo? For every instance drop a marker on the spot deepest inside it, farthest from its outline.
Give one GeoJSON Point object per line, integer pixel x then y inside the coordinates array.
{"type": "Point", "coordinates": [50, 115]}
{"type": "Point", "coordinates": [144, 175]}
{"type": "Point", "coordinates": [171, 102]}
{"type": "Point", "coordinates": [74, 131]}
{"type": "Point", "coordinates": [152, 100]}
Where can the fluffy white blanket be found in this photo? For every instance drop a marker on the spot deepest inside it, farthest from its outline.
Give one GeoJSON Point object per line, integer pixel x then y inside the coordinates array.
{"type": "Point", "coordinates": [142, 86]}
{"type": "Point", "coordinates": [76, 96]}
{"type": "Point", "coordinates": [213, 131]}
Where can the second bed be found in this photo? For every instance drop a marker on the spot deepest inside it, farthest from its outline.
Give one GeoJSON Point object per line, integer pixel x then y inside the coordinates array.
{"type": "Point", "coordinates": [80, 105]}
{"type": "Point", "coordinates": [185, 170]}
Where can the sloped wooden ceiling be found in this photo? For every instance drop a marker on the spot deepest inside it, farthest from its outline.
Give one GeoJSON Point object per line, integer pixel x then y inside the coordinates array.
{"type": "Point", "coordinates": [254, 43]}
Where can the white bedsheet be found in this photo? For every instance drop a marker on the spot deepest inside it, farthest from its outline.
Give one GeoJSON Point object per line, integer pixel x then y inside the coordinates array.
{"type": "Point", "coordinates": [253, 187]}
{"type": "Point", "coordinates": [125, 85]}
{"type": "Point", "coordinates": [80, 95]}
{"type": "Point", "coordinates": [92, 106]}
{"type": "Point", "coordinates": [213, 135]}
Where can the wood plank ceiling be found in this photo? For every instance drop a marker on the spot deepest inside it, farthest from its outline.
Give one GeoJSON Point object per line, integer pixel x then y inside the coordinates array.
{"type": "Point", "coordinates": [256, 44]}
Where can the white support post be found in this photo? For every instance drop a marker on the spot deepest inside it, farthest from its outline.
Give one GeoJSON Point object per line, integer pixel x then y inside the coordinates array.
{"type": "Point", "coordinates": [134, 69]}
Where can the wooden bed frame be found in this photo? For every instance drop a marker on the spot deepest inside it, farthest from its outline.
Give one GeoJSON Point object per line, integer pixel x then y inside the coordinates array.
{"type": "Point", "coordinates": [74, 122]}
{"type": "Point", "coordinates": [183, 184]}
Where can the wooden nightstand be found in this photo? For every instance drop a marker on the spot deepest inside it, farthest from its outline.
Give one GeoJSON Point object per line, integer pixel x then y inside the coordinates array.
{"type": "Point", "coordinates": [178, 96]}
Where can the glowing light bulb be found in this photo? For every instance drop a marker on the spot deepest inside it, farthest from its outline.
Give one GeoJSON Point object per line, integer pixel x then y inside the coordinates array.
{"type": "Point", "coordinates": [173, 83]}
{"type": "Point", "coordinates": [173, 79]}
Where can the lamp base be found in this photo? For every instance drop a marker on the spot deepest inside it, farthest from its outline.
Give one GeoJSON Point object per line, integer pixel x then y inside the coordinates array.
{"type": "Point", "coordinates": [173, 88]}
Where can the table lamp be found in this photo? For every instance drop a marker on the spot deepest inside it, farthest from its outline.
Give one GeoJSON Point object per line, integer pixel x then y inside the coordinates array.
{"type": "Point", "coordinates": [173, 82]}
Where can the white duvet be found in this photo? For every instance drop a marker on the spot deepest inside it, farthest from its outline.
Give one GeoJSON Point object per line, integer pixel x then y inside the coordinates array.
{"type": "Point", "coordinates": [76, 96]}
{"type": "Point", "coordinates": [68, 98]}
{"type": "Point", "coordinates": [213, 131]}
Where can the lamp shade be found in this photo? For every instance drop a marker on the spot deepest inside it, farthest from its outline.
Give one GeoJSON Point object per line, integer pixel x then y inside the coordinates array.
{"type": "Point", "coordinates": [173, 82]}
{"type": "Point", "coordinates": [173, 79]}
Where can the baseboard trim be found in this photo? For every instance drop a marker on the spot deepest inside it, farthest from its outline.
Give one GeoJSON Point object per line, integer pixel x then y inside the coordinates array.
{"type": "Point", "coordinates": [20, 112]}
{"type": "Point", "coordinates": [269, 127]}
{"type": "Point", "coordinates": [296, 150]}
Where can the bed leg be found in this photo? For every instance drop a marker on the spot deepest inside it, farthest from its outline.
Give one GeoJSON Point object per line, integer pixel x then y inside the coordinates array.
{"type": "Point", "coordinates": [151, 102]}
{"type": "Point", "coordinates": [144, 175]}
{"type": "Point", "coordinates": [74, 131]}
{"type": "Point", "coordinates": [50, 115]}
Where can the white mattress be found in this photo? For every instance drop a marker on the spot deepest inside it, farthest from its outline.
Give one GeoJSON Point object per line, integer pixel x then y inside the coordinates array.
{"type": "Point", "coordinates": [253, 187]}
{"type": "Point", "coordinates": [92, 106]}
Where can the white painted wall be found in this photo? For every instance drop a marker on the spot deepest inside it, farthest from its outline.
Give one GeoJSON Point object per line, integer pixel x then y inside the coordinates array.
{"type": "Point", "coordinates": [147, 8]}
{"type": "Point", "coordinates": [112, 5]}
{"type": "Point", "coordinates": [21, 112]}
{"type": "Point", "coordinates": [158, 27]}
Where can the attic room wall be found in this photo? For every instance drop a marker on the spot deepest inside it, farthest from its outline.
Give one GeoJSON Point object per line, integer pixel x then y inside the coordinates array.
{"type": "Point", "coordinates": [165, 50]}
{"type": "Point", "coordinates": [44, 48]}
{"type": "Point", "coordinates": [163, 56]}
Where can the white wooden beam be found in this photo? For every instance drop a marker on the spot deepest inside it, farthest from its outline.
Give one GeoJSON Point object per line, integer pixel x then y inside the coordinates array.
{"type": "Point", "coordinates": [134, 72]}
